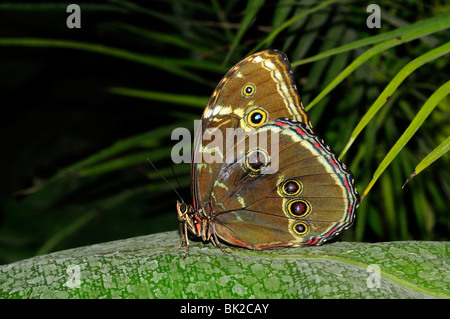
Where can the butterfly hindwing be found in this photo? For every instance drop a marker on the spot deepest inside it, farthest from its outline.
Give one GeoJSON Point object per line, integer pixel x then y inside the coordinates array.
{"type": "Point", "coordinates": [308, 200]}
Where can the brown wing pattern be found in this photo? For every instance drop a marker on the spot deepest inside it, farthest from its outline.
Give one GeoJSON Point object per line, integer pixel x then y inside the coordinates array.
{"type": "Point", "coordinates": [299, 193]}
{"type": "Point", "coordinates": [269, 73]}
{"type": "Point", "coordinates": [310, 198]}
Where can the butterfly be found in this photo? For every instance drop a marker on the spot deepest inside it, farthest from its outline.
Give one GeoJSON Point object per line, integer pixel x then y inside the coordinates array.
{"type": "Point", "coordinates": [247, 193]}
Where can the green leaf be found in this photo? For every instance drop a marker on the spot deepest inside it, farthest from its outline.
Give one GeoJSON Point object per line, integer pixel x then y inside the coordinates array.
{"type": "Point", "coordinates": [435, 23]}
{"type": "Point", "coordinates": [251, 10]}
{"type": "Point", "coordinates": [407, 36]}
{"type": "Point", "coordinates": [443, 148]}
{"type": "Point", "coordinates": [416, 123]}
{"type": "Point", "coordinates": [297, 17]}
{"type": "Point", "coordinates": [163, 63]}
{"type": "Point", "coordinates": [183, 99]}
{"type": "Point", "coordinates": [149, 267]}
{"type": "Point", "coordinates": [174, 39]}
{"type": "Point", "coordinates": [393, 85]}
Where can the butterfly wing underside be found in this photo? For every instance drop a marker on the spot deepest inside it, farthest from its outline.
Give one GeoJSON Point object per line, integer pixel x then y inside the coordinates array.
{"type": "Point", "coordinates": [308, 200]}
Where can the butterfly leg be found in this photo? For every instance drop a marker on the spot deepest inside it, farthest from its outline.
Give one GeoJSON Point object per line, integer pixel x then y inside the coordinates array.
{"type": "Point", "coordinates": [216, 243]}
{"type": "Point", "coordinates": [181, 237]}
{"type": "Point", "coordinates": [187, 240]}
{"type": "Point", "coordinates": [184, 235]}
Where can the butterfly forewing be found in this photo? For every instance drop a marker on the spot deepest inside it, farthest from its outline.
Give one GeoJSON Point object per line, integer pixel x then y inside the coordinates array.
{"type": "Point", "coordinates": [269, 75]}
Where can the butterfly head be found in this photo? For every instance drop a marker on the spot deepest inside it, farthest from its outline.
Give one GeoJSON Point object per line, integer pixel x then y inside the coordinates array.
{"type": "Point", "coordinates": [183, 210]}
{"type": "Point", "coordinates": [195, 221]}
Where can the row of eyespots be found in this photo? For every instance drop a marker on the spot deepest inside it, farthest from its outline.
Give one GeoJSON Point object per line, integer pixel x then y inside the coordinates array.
{"type": "Point", "coordinates": [297, 208]}
{"type": "Point", "coordinates": [256, 159]}
{"type": "Point", "coordinates": [258, 116]}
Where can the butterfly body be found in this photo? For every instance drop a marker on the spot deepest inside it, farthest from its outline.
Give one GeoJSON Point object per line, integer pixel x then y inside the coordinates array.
{"type": "Point", "coordinates": [272, 181]}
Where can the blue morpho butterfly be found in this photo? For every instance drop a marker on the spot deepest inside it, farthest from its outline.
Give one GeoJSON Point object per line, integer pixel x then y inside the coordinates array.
{"type": "Point", "coordinates": [309, 198]}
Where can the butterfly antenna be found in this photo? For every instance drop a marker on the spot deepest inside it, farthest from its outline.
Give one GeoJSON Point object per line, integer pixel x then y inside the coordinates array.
{"type": "Point", "coordinates": [165, 179]}
{"type": "Point", "coordinates": [175, 175]}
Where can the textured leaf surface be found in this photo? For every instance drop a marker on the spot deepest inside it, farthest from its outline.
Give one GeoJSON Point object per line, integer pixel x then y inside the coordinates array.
{"type": "Point", "coordinates": [149, 267]}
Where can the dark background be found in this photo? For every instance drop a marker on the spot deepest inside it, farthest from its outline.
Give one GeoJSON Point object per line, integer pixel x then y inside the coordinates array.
{"type": "Point", "coordinates": [58, 111]}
